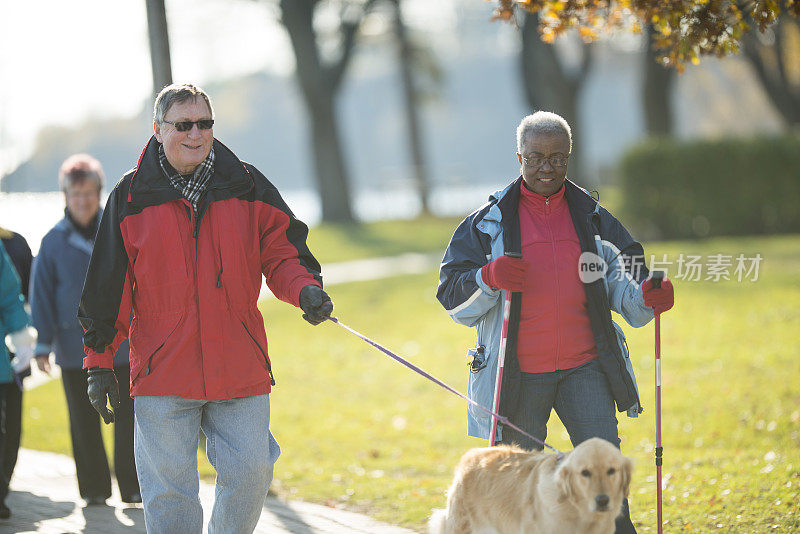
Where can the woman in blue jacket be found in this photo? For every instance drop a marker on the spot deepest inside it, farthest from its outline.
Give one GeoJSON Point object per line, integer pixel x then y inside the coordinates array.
{"type": "Point", "coordinates": [56, 284]}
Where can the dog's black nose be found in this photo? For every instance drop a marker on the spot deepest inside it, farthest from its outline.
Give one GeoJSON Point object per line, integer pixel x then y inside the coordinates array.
{"type": "Point", "coordinates": [601, 501]}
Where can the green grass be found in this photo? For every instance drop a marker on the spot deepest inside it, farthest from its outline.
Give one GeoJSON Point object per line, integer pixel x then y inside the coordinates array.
{"type": "Point", "coordinates": [45, 425]}
{"type": "Point", "coordinates": [342, 242]}
{"type": "Point", "coordinates": [360, 431]}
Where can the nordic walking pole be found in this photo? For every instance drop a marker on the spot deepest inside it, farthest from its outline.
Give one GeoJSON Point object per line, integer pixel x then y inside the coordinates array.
{"type": "Point", "coordinates": [501, 358]}
{"type": "Point", "coordinates": [657, 276]}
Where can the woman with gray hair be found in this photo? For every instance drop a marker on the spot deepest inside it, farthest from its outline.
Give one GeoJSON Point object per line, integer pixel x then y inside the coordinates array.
{"type": "Point", "coordinates": [56, 282]}
{"type": "Point", "coordinates": [563, 351]}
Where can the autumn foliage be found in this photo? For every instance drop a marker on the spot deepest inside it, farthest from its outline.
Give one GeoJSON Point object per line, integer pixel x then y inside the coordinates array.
{"type": "Point", "coordinates": [686, 29]}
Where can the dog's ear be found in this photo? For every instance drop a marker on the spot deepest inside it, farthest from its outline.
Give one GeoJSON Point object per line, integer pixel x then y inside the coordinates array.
{"type": "Point", "coordinates": [564, 483]}
{"type": "Point", "coordinates": [627, 470]}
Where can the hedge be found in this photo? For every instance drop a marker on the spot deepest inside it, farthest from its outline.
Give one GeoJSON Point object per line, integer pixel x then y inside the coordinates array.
{"type": "Point", "coordinates": [689, 189]}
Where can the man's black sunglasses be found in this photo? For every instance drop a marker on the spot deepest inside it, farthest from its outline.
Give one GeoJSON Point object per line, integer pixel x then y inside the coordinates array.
{"type": "Point", "coordinates": [185, 126]}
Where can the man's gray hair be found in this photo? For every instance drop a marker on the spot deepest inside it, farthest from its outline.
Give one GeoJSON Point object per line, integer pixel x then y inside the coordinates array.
{"type": "Point", "coordinates": [542, 122]}
{"type": "Point", "coordinates": [175, 94]}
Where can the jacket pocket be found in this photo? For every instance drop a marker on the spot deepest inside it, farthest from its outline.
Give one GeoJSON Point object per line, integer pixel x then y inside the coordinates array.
{"type": "Point", "coordinates": [261, 350]}
{"type": "Point", "coordinates": [478, 360]}
{"type": "Point", "coordinates": [480, 388]}
{"type": "Point", "coordinates": [148, 335]}
{"type": "Point", "coordinates": [636, 409]}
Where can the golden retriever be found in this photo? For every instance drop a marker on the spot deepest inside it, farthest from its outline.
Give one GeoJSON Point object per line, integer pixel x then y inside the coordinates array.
{"type": "Point", "coordinates": [507, 490]}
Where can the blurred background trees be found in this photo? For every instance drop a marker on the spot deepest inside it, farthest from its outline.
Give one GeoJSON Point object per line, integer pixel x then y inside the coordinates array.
{"type": "Point", "coordinates": [775, 57]}
{"type": "Point", "coordinates": [399, 107]}
{"type": "Point", "coordinates": [685, 30]}
{"type": "Point", "coordinates": [320, 77]}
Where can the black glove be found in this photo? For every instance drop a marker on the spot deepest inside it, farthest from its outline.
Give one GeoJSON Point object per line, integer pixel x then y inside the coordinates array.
{"type": "Point", "coordinates": [315, 303]}
{"type": "Point", "coordinates": [103, 382]}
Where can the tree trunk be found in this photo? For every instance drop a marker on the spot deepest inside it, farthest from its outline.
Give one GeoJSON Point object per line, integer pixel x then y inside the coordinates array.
{"type": "Point", "coordinates": [411, 102]}
{"type": "Point", "coordinates": [770, 64]}
{"type": "Point", "coordinates": [332, 183]}
{"type": "Point", "coordinates": [656, 91]}
{"type": "Point", "coordinates": [159, 44]}
{"type": "Point", "coordinates": [548, 86]}
{"type": "Point", "coordinates": [320, 84]}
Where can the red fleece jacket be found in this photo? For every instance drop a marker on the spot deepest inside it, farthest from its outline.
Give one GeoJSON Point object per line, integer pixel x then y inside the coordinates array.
{"type": "Point", "coordinates": [554, 330]}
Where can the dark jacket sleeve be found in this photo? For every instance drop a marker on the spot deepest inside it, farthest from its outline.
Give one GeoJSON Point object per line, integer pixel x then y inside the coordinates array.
{"type": "Point", "coordinates": [461, 289]}
{"type": "Point", "coordinates": [286, 261]}
{"type": "Point", "coordinates": [20, 254]}
{"type": "Point", "coordinates": [626, 270]}
{"type": "Point", "coordinates": [106, 302]}
{"type": "Point", "coordinates": [629, 251]}
{"type": "Point", "coordinates": [43, 309]}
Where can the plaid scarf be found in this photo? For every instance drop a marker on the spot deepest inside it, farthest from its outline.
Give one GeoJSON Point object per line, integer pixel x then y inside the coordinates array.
{"type": "Point", "coordinates": [193, 188]}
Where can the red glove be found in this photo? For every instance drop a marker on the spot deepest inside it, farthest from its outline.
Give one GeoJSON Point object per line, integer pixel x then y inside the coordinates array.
{"type": "Point", "coordinates": [506, 273]}
{"type": "Point", "coordinates": [660, 299]}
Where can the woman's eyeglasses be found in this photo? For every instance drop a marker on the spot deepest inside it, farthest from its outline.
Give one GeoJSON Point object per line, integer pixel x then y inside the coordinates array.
{"type": "Point", "coordinates": [538, 161]}
{"type": "Point", "coordinates": [185, 126]}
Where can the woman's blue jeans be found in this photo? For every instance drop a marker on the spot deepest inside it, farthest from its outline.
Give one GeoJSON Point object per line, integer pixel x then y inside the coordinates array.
{"type": "Point", "coordinates": [238, 444]}
{"type": "Point", "coordinates": [582, 399]}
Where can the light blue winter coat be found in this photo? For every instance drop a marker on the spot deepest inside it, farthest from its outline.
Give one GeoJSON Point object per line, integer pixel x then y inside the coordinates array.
{"type": "Point", "coordinates": [490, 232]}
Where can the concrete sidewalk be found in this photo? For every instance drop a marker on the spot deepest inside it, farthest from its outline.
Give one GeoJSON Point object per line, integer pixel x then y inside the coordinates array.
{"type": "Point", "coordinates": [44, 498]}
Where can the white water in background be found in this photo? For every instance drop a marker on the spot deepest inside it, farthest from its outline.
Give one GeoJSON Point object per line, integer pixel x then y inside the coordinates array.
{"type": "Point", "coordinates": [34, 214]}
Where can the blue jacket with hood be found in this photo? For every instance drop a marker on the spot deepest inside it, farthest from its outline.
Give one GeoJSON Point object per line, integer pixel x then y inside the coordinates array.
{"type": "Point", "coordinates": [493, 230]}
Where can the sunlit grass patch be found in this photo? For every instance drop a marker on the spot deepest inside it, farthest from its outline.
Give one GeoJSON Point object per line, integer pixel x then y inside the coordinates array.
{"type": "Point", "coordinates": [360, 431]}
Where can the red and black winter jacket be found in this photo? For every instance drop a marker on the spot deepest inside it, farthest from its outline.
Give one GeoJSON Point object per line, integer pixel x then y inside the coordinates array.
{"type": "Point", "coordinates": [183, 286]}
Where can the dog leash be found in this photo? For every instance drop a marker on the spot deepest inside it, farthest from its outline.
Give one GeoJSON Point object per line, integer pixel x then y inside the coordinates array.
{"type": "Point", "coordinates": [435, 380]}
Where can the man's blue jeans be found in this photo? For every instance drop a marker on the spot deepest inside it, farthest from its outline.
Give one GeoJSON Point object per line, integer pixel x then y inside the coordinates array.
{"type": "Point", "coordinates": [582, 399]}
{"type": "Point", "coordinates": [238, 444]}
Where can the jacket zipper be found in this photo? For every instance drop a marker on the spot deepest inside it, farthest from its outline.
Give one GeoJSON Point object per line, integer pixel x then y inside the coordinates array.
{"type": "Point", "coordinates": [264, 354]}
{"type": "Point", "coordinates": [196, 224]}
{"type": "Point", "coordinates": [219, 253]}
{"type": "Point", "coordinates": [555, 274]}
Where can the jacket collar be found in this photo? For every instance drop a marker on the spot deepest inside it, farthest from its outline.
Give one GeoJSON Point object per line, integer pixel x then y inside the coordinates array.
{"type": "Point", "coordinates": [539, 202]}
{"type": "Point", "coordinates": [74, 237]}
{"type": "Point", "coordinates": [149, 186]}
{"type": "Point", "coordinates": [504, 209]}
{"type": "Point", "coordinates": [505, 201]}
{"type": "Point", "coordinates": [68, 226]}
{"type": "Point", "coordinates": [578, 198]}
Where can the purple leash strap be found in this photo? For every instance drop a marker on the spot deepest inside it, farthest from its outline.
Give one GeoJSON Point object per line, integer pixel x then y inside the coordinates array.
{"type": "Point", "coordinates": [435, 380]}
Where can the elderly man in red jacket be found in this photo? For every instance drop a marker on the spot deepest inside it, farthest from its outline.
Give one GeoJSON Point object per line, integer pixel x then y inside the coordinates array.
{"type": "Point", "coordinates": [177, 264]}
